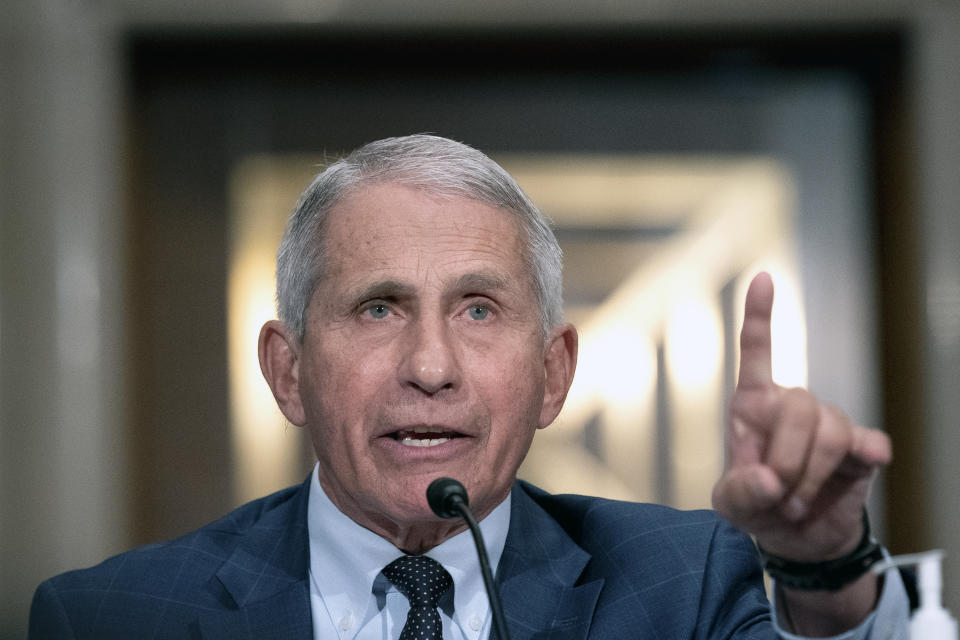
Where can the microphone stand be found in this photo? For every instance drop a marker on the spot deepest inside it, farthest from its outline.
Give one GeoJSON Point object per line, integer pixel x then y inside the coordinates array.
{"type": "Point", "coordinates": [448, 499]}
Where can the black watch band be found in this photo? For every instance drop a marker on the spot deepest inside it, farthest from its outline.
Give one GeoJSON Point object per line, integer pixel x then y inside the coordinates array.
{"type": "Point", "coordinates": [831, 575]}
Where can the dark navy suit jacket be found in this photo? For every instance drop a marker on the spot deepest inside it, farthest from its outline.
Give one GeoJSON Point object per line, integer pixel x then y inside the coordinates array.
{"type": "Point", "coordinates": [573, 567]}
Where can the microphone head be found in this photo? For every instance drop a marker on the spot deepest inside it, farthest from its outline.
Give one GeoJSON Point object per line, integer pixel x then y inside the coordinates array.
{"type": "Point", "coordinates": [445, 497]}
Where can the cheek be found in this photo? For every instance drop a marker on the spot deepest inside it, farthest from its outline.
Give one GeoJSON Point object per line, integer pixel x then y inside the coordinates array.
{"type": "Point", "coordinates": [325, 390]}
{"type": "Point", "coordinates": [345, 388]}
{"type": "Point", "coordinates": [347, 368]}
{"type": "Point", "coordinates": [516, 393]}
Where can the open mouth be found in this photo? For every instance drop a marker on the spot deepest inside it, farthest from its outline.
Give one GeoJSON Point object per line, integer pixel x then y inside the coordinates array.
{"type": "Point", "coordinates": [424, 436]}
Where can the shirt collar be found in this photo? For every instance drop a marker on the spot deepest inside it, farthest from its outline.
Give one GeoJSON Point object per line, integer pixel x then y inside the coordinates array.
{"type": "Point", "coordinates": [346, 558]}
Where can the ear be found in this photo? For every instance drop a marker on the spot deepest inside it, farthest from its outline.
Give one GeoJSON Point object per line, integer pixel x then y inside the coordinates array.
{"type": "Point", "coordinates": [560, 361]}
{"type": "Point", "coordinates": [279, 352]}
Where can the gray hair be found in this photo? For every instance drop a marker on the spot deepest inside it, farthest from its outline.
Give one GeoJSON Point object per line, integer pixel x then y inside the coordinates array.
{"type": "Point", "coordinates": [437, 166]}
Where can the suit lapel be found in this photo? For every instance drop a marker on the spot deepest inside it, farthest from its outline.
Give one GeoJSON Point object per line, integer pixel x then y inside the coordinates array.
{"type": "Point", "coordinates": [266, 577]}
{"type": "Point", "coordinates": [538, 575]}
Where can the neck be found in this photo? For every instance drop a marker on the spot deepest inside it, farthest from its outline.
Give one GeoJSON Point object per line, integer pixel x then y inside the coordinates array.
{"type": "Point", "coordinates": [418, 538]}
{"type": "Point", "coordinates": [415, 535]}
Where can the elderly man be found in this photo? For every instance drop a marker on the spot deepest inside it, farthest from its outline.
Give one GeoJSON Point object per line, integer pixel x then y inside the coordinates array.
{"type": "Point", "coordinates": [420, 336]}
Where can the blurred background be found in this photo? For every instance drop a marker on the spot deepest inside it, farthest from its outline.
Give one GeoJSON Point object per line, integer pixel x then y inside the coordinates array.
{"type": "Point", "coordinates": [150, 153]}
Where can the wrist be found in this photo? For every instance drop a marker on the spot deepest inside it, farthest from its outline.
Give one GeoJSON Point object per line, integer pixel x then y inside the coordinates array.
{"type": "Point", "coordinates": [827, 613]}
{"type": "Point", "coordinates": [830, 575]}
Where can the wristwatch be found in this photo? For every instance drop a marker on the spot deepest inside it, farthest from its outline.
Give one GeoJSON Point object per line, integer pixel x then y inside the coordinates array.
{"type": "Point", "coordinates": [831, 575]}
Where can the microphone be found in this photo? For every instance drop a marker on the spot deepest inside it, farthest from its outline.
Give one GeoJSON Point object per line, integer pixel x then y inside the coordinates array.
{"type": "Point", "coordinates": [448, 499]}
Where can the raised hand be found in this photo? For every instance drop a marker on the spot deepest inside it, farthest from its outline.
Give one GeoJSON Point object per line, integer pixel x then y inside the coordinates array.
{"type": "Point", "coordinates": [798, 471]}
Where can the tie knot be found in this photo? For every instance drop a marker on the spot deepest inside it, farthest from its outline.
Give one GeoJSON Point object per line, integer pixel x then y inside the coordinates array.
{"type": "Point", "coordinates": [420, 578]}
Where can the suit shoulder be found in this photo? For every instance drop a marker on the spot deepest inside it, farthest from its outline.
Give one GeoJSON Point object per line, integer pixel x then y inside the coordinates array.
{"type": "Point", "coordinates": [675, 573]}
{"type": "Point", "coordinates": [616, 533]}
{"type": "Point", "coordinates": [176, 573]}
{"type": "Point", "coordinates": [606, 521]}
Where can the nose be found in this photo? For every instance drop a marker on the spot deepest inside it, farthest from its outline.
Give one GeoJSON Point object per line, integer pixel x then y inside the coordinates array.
{"type": "Point", "coordinates": [430, 363]}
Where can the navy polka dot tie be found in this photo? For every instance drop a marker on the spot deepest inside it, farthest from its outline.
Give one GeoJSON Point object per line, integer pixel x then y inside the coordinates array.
{"type": "Point", "coordinates": [422, 580]}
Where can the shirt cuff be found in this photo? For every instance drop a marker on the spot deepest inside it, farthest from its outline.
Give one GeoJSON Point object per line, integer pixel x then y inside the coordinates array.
{"type": "Point", "coordinates": [890, 620]}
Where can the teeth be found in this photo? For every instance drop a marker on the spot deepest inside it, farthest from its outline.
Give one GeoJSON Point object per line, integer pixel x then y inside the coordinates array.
{"type": "Point", "coordinates": [423, 442]}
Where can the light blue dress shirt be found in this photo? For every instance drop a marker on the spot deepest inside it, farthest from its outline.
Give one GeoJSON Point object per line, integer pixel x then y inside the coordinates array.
{"type": "Point", "coordinates": [351, 600]}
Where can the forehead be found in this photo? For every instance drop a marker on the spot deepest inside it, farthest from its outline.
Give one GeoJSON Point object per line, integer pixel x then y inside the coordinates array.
{"type": "Point", "coordinates": [390, 226]}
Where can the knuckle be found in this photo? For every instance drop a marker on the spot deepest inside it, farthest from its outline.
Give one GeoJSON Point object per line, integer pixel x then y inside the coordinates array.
{"type": "Point", "coordinates": [801, 404]}
{"type": "Point", "coordinates": [835, 412]}
{"type": "Point", "coordinates": [835, 439]}
{"type": "Point", "coordinates": [789, 469]}
{"type": "Point", "coordinates": [728, 503]}
{"type": "Point", "coordinates": [757, 406]}
{"type": "Point", "coordinates": [788, 461]}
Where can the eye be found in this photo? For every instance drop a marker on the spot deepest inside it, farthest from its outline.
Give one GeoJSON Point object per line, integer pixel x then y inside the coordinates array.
{"type": "Point", "coordinates": [378, 311]}
{"type": "Point", "coordinates": [478, 312]}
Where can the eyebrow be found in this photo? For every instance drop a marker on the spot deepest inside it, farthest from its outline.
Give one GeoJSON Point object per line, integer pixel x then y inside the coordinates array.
{"type": "Point", "coordinates": [395, 289]}
{"type": "Point", "coordinates": [480, 283]}
{"type": "Point", "coordinates": [386, 289]}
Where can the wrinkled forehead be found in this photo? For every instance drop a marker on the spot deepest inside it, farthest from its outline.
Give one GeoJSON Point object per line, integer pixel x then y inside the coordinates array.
{"type": "Point", "coordinates": [391, 212]}
{"type": "Point", "coordinates": [381, 207]}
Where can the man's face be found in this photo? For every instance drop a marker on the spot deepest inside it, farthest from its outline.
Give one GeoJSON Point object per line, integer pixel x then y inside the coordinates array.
{"type": "Point", "coordinates": [423, 354]}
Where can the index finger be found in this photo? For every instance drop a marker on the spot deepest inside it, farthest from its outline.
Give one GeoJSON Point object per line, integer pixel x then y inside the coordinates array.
{"type": "Point", "coordinates": [755, 345]}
